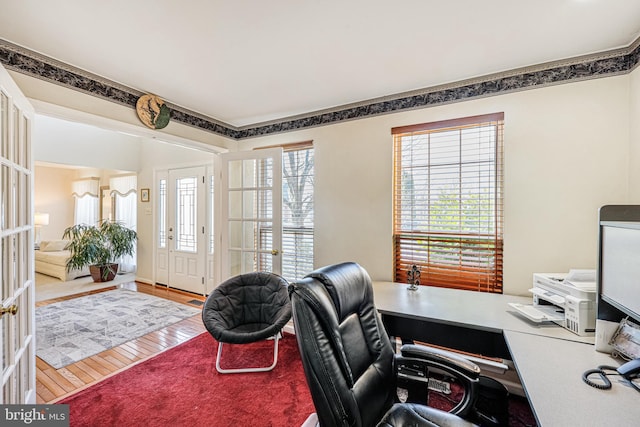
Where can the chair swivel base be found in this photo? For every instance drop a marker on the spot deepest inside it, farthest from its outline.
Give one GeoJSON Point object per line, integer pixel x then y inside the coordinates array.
{"type": "Point", "coordinates": [253, 369]}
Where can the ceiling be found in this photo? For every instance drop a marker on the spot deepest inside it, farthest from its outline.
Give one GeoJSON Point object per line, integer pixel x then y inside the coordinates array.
{"type": "Point", "coordinates": [246, 62]}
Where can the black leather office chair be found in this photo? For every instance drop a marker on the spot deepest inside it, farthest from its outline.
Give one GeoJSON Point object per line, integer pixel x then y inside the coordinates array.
{"type": "Point", "coordinates": [351, 367]}
{"type": "Point", "coordinates": [247, 308]}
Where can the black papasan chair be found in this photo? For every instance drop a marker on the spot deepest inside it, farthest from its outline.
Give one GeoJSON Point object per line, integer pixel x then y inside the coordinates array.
{"type": "Point", "coordinates": [247, 308]}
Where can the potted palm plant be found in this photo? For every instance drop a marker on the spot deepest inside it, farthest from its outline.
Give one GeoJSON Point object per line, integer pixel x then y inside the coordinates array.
{"type": "Point", "coordinates": [99, 247]}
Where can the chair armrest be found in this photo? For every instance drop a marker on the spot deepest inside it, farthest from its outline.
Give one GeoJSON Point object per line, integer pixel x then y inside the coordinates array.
{"type": "Point", "coordinates": [416, 364]}
{"type": "Point", "coordinates": [446, 360]}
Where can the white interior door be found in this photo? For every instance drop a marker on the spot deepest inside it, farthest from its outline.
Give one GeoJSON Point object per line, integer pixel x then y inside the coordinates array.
{"type": "Point", "coordinates": [186, 226]}
{"type": "Point", "coordinates": [251, 231]}
{"type": "Point", "coordinates": [17, 304]}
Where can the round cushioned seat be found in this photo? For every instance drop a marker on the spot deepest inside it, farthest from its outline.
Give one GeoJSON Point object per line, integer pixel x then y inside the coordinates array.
{"type": "Point", "coordinates": [247, 308]}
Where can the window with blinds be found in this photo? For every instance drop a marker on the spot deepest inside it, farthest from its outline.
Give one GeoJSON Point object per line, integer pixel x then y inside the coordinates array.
{"type": "Point", "coordinates": [448, 209]}
{"type": "Point", "coordinates": [297, 211]}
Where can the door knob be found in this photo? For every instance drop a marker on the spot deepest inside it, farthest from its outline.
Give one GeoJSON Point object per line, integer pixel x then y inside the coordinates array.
{"type": "Point", "coordinates": [12, 309]}
{"type": "Point", "coordinates": [170, 237]}
{"type": "Point", "coordinates": [274, 252]}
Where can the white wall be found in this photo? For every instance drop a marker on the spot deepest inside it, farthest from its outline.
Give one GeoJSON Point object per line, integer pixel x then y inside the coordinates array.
{"type": "Point", "coordinates": [112, 138]}
{"type": "Point", "coordinates": [566, 154]}
{"type": "Point", "coordinates": [53, 186]}
{"type": "Point", "coordinates": [101, 153]}
{"type": "Point", "coordinates": [68, 143]}
{"type": "Point", "coordinates": [155, 155]}
{"type": "Point", "coordinates": [66, 102]}
{"type": "Point", "coordinates": [53, 196]}
{"type": "Point", "coordinates": [634, 137]}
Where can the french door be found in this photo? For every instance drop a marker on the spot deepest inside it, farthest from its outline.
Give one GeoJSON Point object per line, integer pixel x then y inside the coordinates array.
{"type": "Point", "coordinates": [17, 306]}
{"type": "Point", "coordinates": [251, 197]}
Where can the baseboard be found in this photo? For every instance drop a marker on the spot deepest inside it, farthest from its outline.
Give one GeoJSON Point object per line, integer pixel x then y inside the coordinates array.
{"type": "Point", "coordinates": [144, 280]}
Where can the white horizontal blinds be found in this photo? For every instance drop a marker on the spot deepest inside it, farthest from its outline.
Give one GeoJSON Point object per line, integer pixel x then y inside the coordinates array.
{"type": "Point", "coordinates": [297, 211]}
{"type": "Point", "coordinates": [448, 202]}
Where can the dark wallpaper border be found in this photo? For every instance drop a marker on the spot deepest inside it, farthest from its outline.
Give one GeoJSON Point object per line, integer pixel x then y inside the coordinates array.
{"type": "Point", "coordinates": [605, 64]}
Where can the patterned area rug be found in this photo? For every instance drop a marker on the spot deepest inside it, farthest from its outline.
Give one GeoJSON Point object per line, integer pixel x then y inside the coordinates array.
{"type": "Point", "coordinates": [72, 330]}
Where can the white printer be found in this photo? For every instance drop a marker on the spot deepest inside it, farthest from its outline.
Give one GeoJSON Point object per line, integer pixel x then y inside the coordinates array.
{"type": "Point", "coordinates": [566, 299]}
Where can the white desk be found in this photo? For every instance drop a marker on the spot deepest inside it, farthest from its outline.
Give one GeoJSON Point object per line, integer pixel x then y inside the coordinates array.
{"type": "Point", "coordinates": [549, 359]}
{"type": "Point", "coordinates": [551, 374]}
{"type": "Point", "coordinates": [471, 310]}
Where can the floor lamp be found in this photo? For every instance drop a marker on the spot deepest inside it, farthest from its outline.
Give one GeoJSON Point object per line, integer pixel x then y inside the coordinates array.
{"type": "Point", "coordinates": [39, 219]}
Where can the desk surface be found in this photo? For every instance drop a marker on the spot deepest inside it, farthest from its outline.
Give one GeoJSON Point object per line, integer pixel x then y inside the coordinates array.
{"type": "Point", "coordinates": [472, 310]}
{"type": "Point", "coordinates": [551, 374]}
{"type": "Point", "coordinates": [549, 359]}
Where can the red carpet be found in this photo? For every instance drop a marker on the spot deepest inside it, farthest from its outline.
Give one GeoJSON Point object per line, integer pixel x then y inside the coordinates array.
{"type": "Point", "coordinates": [181, 387]}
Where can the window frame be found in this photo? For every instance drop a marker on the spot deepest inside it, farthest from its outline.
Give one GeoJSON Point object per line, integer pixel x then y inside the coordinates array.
{"type": "Point", "coordinates": [420, 246]}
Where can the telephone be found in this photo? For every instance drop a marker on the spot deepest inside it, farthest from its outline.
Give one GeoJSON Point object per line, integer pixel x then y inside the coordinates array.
{"type": "Point", "coordinates": [629, 371]}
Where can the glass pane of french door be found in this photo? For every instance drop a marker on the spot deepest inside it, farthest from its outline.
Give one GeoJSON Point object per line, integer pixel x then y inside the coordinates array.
{"type": "Point", "coordinates": [17, 358]}
{"type": "Point", "coordinates": [252, 210]}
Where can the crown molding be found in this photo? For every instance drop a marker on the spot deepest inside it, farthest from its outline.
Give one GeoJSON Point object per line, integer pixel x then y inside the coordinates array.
{"type": "Point", "coordinates": [604, 64]}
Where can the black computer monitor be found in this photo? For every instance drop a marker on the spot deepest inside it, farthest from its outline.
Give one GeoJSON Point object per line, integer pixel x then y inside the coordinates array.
{"type": "Point", "coordinates": [618, 267]}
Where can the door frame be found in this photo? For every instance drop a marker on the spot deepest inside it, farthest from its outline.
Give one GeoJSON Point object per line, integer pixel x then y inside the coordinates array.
{"type": "Point", "coordinates": [209, 260]}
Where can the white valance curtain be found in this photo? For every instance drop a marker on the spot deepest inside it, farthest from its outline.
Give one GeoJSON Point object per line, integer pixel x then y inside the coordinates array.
{"type": "Point", "coordinates": [123, 189]}
{"type": "Point", "coordinates": [86, 187]}
{"type": "Point", "coordinates": [123, 184]}
{"type": "Point", "coordinates": [86, 193]}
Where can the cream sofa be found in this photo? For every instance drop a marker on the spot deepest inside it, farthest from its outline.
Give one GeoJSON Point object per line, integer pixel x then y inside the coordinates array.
{"type": "Point", "coordinates": [51, 259]}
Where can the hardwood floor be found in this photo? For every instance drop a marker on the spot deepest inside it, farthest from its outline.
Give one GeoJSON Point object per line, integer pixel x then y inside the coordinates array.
{"type": "Point", "coordinates": [53, 384]}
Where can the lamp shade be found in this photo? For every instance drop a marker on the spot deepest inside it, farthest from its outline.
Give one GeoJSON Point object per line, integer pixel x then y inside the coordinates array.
{"type": "Point", "coordinates": [41, 219]}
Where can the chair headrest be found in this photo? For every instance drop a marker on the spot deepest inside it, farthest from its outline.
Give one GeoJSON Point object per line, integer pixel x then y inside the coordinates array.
{"type": "Point", "coordinates": [348, 284]}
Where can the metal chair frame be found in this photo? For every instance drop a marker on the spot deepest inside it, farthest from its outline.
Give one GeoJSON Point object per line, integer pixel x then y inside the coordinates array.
{"type": "Point", "coordinates": [275, 338]}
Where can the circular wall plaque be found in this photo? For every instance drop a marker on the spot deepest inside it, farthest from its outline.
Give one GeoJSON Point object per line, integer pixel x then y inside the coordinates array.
{"type": "Point", "coordinates": [152, 111]}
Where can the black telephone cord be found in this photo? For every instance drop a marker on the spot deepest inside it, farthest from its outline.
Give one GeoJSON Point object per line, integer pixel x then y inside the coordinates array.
{"type": "Point", "coordinates": [600, 370]}
{"type": "Point", "coordinates": [606, 383]}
